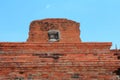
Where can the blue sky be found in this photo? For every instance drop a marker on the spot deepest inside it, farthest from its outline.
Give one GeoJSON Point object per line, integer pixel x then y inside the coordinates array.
{"type": "Point", "coordinates": [99, 19]}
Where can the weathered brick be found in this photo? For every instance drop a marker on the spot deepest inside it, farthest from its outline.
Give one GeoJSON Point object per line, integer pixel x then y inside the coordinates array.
{"type": "Point", "coordinates": [67, 59]}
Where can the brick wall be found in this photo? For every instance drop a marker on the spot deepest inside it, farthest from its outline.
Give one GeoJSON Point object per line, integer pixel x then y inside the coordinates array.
{"type": "Point", "coordinates": [66, 59]}
{"type": "Point", "coordinates": [68, 29]}
{"type": "Point", "coordinates": [58, 61]}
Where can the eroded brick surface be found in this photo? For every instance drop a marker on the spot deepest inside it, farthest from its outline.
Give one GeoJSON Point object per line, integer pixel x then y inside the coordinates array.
{"type": "Point", "coordinates": [69, 30]}
{"type": "Point", "coordinates": [39, 59]}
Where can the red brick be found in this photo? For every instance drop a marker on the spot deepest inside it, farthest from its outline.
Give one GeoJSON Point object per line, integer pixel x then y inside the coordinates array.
{"type": "Point", "coordinates": [34, 58]}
